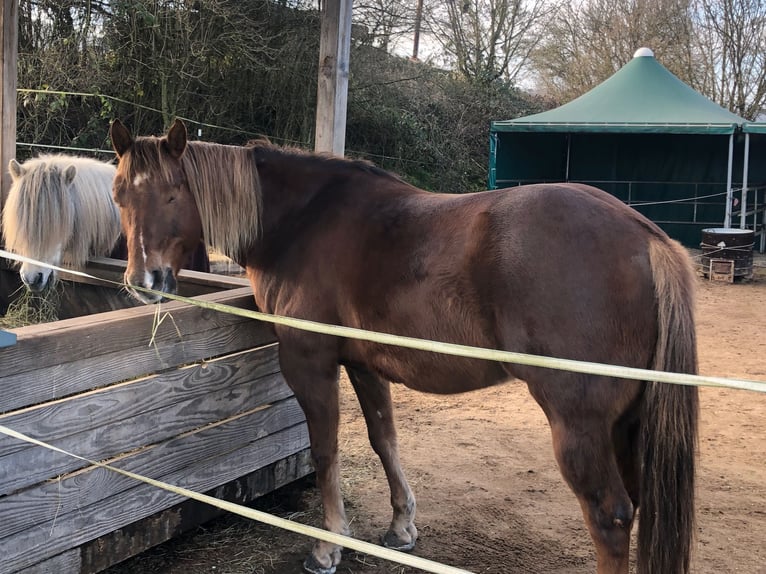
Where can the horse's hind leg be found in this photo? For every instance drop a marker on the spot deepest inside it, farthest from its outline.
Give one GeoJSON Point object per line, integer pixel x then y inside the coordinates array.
{"type": "Point", "coordinates": [375, 399]}
{"type": "Point", "coordinates": [626, 436]}
{"type": "Point", "coordinates": [585, 452]}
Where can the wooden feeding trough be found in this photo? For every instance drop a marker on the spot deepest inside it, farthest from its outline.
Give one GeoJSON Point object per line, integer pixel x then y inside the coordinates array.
{"type": "Point", "coordinates": [188, 396]}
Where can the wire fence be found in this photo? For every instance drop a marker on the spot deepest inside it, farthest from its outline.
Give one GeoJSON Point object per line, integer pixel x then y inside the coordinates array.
{"type": "Point", "coordinates": [249, 134]}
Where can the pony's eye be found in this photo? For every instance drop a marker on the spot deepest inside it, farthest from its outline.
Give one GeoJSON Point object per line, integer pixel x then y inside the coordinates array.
{"type": "Point", "coordinates": [171, 199]}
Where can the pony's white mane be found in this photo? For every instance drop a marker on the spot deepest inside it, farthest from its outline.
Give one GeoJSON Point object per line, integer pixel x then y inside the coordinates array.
{"type": "Point", "coordinates": [42, 212]}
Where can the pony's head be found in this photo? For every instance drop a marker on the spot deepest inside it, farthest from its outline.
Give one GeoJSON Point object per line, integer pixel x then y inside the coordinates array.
{"type": "Point", "coordinates": [159, 215]}
{"type": "Point", "coordinates": [38, 218]}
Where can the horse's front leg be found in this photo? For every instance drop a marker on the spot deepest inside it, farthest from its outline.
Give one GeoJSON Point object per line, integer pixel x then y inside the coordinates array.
{"type": "Point", "coordinates": [374, 396]}
{"type": "Point", "coordinates": [313, 377]}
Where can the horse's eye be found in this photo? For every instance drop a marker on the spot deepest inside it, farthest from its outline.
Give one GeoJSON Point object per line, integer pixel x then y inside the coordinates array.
{"type": "Point", "coordinates": [171, 199]}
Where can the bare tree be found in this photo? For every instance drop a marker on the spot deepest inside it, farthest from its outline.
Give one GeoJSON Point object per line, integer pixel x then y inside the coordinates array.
{"type": "Point", "coordinates": [489, 39]}
{"type": "Point", "coordinates": [386, 22]}
{"type": "Point", "coordinates": [731, 50]}
{"type": "Point", "coordinates": [588, 42]}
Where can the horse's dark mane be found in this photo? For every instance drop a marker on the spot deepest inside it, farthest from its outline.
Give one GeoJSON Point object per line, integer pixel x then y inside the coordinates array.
{"type": "Point", "coordinates": [321, 160]}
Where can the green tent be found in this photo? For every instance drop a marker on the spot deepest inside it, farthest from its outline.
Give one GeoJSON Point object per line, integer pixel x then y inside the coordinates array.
{"type": "Point", "coordinates": [752, 212]}
{"type": "Point", "coordinates": [644, 136]}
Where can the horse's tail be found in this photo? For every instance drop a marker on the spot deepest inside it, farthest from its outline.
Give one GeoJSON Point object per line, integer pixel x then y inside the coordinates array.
{"type": "Point", "coordinates": [669, 422]}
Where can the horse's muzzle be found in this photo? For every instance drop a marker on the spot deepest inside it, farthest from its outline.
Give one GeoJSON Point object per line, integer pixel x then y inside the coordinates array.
{"type": "Point", "coordinates": [150, 287]}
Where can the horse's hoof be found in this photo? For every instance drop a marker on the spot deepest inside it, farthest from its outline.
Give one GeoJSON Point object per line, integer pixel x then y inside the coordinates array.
{"type": "Point", "coordinates": [312, 566]}
{"type": "Point", "coordinates": [392, 541]}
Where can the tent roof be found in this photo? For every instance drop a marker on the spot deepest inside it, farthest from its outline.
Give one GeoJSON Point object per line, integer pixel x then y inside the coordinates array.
{"type": "Point", "coordinates": [754, 128]}
{"type": "Point", "coordinates": [642, 96]}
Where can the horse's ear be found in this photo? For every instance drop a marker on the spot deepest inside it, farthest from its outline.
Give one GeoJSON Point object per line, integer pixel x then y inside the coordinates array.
{"type": "Point", "coordinates": [69, 174]}
{"type": "Point", "coordinates": [15, 168]}
{"type": "Point", "coordinates": [176, 139]}
{"type": "Point", "coordinates": [120, 136]}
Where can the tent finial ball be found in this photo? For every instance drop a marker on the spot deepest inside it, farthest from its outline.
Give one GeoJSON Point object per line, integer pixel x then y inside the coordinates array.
{"type": "Point", "coordinates": [643, 53]}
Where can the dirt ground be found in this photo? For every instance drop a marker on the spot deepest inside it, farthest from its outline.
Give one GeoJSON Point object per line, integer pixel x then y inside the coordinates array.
{"type": "Point", "coordinates": [490, 497]}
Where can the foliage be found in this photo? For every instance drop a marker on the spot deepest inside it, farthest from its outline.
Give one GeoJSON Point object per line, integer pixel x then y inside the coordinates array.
{"type": "Point", "coordinates": [427, 124]}
{"type": "Point", "coordinates": [236, 70]}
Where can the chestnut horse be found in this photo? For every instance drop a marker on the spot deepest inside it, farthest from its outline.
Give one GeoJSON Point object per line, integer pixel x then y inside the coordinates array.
{"type": "Point", "coordinates": [60, 211]}
{"type": "Point", "coordinates": [561, 270]}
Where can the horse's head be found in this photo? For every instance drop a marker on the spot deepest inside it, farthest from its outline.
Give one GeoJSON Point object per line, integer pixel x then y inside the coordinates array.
{"type": "Point", "coordinates": [37, 217]}
{"type": "Point", "coordinates": [159, 215]}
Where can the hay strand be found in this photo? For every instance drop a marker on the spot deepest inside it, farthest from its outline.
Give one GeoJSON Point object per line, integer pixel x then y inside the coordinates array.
{"type": "Point", "coordinates": [31, 308]}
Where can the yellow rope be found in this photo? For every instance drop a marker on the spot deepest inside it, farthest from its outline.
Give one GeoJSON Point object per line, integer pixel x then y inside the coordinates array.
{"type": "Point", "coordinates": [440, 347]}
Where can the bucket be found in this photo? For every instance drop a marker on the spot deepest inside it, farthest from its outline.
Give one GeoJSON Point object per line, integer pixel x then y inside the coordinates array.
{"type": "Point", "coordinates": [730, 244]}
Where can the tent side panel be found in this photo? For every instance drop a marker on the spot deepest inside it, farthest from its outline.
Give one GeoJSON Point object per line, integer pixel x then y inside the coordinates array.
{"type": "Point", "coordinates": [527, 157]}
{"type": "Point", "coordinates": [677, 181]}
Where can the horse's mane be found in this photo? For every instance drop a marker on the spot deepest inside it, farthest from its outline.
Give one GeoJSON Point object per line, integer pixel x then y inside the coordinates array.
{"type": "Point", "coordinates": [42, 213]}
{"type": "Point", "coordinates": [228, 200]}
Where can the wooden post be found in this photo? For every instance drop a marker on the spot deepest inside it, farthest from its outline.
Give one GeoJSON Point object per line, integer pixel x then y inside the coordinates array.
{"type": "Point", "coordinates": [729, 190]}
{"type": "Point", "coordinates": [9, 24]}
{"type": "Point", "coordinates": [332, 85]}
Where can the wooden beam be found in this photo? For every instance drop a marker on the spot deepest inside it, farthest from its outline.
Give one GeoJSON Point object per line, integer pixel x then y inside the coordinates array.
{"type": "Point", "coordinates": [332, 85]}
{"type": "Point", "coordinates": [9, 24]}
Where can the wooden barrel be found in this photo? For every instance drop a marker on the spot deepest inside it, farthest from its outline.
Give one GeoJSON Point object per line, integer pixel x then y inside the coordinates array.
{"type": "Point", "coordinates": [730, 244]}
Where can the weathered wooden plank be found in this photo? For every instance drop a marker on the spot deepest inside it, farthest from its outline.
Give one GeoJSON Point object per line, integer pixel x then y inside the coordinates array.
{"type": "Point", "coordinates": [97, 355]}
{"type": "Point", "coordinates": [123, 401]}
{"type": "Point", "coordinates": [132, 539]}
{"type": "Point", "coordinates": [181, 455]}
{"type": "Point", "coordinates": [83, 337]}
{"type": "Point", "coordinates": [51, 383]}
{"type": "Point", "coordinates": [139, 536]}
{"type": "Point", "coordinates": [33, 464]}
{"type": "Point", "coordinates": [69, 562]}
{"type": "Point", "coordinates": [87, 523]}
{"type": "Point", "coordinates": [30, 466]}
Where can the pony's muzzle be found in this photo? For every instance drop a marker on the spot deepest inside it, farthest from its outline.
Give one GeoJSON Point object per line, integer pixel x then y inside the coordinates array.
{"type": "Point", "coordinates": [36, 281]}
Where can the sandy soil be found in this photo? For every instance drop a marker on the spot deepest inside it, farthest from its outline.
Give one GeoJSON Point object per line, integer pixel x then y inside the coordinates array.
{"type": "Point", "coordinates": [490, 497]}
